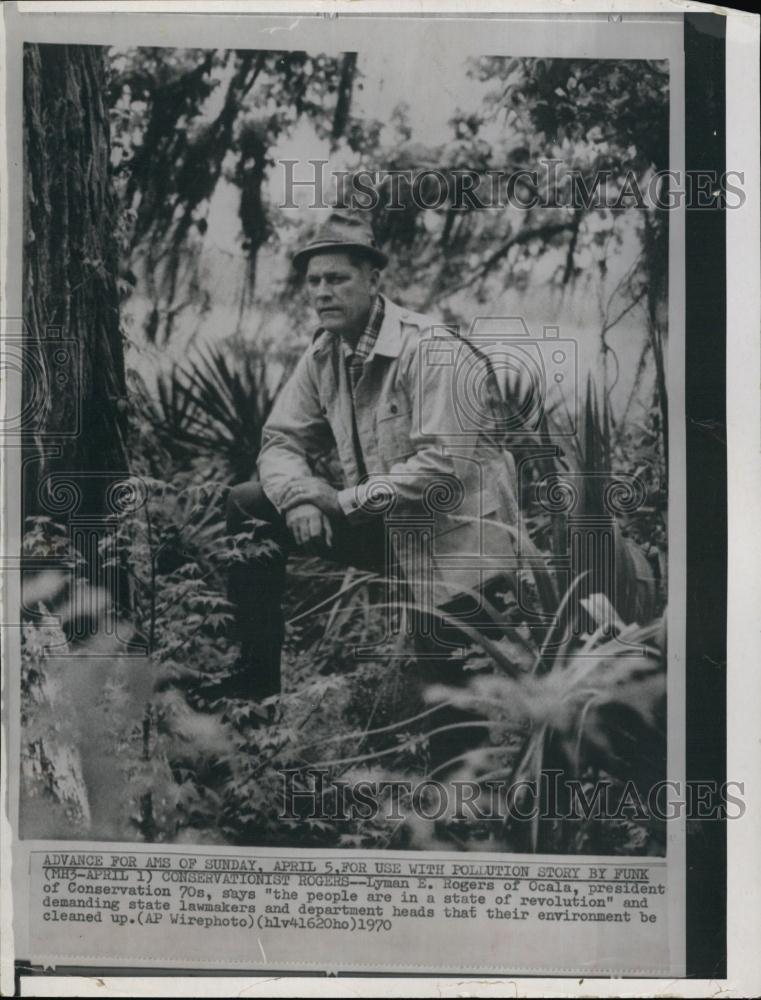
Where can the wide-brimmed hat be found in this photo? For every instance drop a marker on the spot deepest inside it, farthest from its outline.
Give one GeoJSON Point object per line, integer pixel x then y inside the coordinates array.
{"type": "Point", "coordinates": [345, 230]}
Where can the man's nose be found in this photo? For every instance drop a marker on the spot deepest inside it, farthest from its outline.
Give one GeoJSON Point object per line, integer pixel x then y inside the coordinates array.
{"type": "Point", "coordinates": [321, 289]}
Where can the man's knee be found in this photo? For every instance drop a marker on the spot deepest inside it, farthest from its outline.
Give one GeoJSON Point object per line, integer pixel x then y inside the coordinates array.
{"type": "Point", "coordinates": [247, 500]}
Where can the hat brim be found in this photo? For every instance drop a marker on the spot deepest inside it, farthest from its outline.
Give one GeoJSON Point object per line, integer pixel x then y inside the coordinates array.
{"type": "Point", "coordinates": [301, 257]}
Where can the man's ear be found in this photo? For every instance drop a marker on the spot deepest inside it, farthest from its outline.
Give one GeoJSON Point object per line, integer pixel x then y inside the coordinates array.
{"type": "Point", "coordinates": [374, 279]}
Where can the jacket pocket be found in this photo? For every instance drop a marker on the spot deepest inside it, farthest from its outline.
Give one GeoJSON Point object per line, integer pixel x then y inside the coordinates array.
{"type": "Point", "coordinates": [393, 429]}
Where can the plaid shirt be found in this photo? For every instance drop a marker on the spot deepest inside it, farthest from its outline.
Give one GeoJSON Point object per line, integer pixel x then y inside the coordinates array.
{"type": "Point", "coordinates": [355, 359]}
{"type": "Point", "coordinates": [355, 362]}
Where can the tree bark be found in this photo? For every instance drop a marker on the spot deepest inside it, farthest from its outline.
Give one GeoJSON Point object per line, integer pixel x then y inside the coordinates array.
{"type": "Point", "coordinates": [71, 298]}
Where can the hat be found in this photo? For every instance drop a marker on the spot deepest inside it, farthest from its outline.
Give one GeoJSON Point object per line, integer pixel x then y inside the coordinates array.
{"type": "Point", "coordinates": [345, 230]}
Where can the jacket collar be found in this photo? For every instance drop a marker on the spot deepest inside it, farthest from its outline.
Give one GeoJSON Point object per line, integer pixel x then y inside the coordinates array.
{"type": "Point", "coordinates": [389, 342]}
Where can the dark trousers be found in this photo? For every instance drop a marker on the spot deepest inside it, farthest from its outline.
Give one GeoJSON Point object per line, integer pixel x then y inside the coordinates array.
{"type": "Point", "coordinates": [256, 589]}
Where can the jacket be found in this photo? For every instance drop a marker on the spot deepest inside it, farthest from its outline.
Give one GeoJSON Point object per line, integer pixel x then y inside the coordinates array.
{"type": "Point", "coordinates": [428, 422]}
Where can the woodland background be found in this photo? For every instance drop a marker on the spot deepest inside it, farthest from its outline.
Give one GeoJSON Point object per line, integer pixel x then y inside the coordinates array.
{"type": "Point", "coordinates": [154, 240]}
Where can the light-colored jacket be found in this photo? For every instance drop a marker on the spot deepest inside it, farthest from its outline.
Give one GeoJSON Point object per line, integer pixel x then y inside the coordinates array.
{"type": "Point", "coordinates": [428, 417]}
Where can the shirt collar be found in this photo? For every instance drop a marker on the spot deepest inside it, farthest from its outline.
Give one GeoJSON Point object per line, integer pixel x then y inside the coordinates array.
{"type": "Point", "coordinates": [364, 346]}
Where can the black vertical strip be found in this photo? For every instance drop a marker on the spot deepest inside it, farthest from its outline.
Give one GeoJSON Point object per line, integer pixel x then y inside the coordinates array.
{"type": "Point", "coordinates": [706, 299]}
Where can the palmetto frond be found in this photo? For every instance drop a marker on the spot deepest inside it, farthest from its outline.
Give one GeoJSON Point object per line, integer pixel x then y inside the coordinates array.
{"type": "Point", "coordinates": [217, 407]}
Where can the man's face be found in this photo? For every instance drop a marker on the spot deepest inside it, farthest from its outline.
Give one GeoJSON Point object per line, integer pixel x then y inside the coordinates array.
{"type": "Point", "coordinates": [341, 289]}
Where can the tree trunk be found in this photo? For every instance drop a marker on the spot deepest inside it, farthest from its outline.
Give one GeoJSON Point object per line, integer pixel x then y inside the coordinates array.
{"type": "Point", "coordinates": [74, 390]}
{"type": "Point", "coordinates": [74, 382]}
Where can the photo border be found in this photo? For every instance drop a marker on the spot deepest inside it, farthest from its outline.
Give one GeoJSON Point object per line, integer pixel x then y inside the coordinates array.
{"type": "Point", "coordinates": [706, 744]}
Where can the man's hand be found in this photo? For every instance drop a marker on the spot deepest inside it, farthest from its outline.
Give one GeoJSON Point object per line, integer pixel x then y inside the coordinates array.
{"type": "Point", "coordinates": [308, 525]}
{"type": "Point", "coordinates": [312, 491]}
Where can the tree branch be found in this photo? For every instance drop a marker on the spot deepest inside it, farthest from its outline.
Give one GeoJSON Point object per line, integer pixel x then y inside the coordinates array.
{"type": "Point", "coordinates": [522, 237]}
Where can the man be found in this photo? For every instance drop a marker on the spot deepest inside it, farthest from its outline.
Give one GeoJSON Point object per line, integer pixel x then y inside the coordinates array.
{"type": "Point", "coordinates": [424, 496]}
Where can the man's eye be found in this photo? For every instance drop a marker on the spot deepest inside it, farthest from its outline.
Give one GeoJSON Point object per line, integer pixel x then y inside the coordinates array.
{"type": "Point", "coordinates": [329, 279]}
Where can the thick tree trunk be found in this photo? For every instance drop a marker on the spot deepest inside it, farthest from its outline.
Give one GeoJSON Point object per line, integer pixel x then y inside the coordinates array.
{"type": "Point", "coordinates": [71, 300]}
{"type": "Point", "coordinates": [74, 412]}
